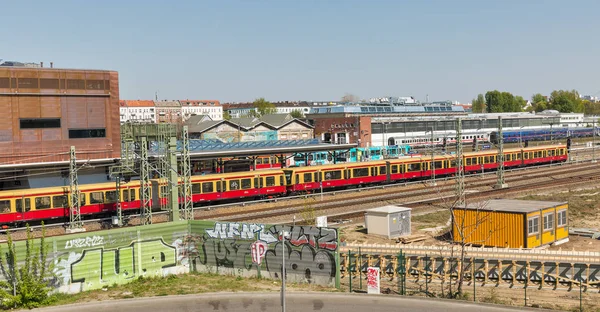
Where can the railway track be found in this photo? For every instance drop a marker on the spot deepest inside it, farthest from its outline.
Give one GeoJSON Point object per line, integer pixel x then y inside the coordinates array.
{"type": "Point", "coordinates": [413, 198]}
{"type": "Point", "coordinates": [416, 188]}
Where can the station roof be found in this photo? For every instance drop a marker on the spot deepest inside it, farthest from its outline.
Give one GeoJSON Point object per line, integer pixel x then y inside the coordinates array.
{"type": "Point", "coordinates": [512, 205]}
{"type": "Point", "coordinates": [206, 149]}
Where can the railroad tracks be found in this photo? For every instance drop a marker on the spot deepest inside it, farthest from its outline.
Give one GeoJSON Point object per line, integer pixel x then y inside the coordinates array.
{"type": "Point", "coordinates": [440, 196]}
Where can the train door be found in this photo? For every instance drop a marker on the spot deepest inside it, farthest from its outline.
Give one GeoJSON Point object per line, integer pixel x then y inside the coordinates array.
{"type": "Point", "coordinates": [387, 171]}
{"type": "Point", "coordinates": [22, 206]}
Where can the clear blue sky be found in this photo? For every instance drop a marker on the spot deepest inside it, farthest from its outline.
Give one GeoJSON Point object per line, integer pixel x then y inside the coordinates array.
{"type": "Point", "coordinates": [315, 50]}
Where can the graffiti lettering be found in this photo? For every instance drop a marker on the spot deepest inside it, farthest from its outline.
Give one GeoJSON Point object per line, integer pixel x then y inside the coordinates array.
{"type": "Point", "coordinates": [248, 231]}
{"type": "Point", "coordinates": [85, 242]}
{"type": "Point", "coordinates": [96, 267]}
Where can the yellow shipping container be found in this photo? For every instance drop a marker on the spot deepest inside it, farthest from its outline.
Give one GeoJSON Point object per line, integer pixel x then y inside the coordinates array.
{"type": "Point", "coordinates": [511, 223]}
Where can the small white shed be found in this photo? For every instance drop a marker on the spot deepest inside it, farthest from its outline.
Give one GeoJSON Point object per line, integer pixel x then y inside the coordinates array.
{"type": "Point", "coordinates": [391, 221]}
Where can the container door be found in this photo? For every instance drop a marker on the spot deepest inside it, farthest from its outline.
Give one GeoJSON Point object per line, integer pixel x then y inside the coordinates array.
{"type": "Point", "coordinates": [395, 225]}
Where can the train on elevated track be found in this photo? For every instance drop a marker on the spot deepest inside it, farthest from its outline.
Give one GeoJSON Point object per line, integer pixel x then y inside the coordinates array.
{"type": "Point", "coordinates": [18, 207]}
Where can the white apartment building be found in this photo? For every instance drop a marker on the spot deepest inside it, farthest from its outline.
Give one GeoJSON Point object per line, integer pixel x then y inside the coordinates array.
{"type": "Point", "coordinates": [137, 111]}
{"type": "Point", "coordinates": [211, 108]}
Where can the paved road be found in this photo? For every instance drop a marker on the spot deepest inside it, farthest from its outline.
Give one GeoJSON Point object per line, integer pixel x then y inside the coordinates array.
{"type": "Point", "coordinates": [269, 302]}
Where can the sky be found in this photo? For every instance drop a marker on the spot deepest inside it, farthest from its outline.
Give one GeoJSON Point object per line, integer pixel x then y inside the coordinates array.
{"type": "Point", "coordinates": [315, 50]}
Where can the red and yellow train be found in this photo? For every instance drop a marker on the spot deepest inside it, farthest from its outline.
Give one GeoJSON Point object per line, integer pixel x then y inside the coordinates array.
{"type": "Point", "coordinates": [34, 205]}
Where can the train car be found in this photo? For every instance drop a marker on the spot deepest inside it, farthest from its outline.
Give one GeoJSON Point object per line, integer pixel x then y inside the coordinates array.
{"type": "Point", "coordinates": [515, 136]}
{"type": "Point", "coordinates": [25, 205]}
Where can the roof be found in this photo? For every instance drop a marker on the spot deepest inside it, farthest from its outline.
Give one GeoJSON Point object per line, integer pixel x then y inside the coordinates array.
{"type": "Point", "coordinates": [513, 205]}
{"type": "Point", "coordinates": [276, 120]}
{"type": "Point", "coordinates": [389, 209]}
{"type": "Point", "coordinates": [200, 102]}
{"type": "Point", "coordinates": [246, 122]}
{"type": "Point", "coordinates": [197, 125]}
{"type": "Point", "coordinates": [137, 103]}
{"type": "Point", "coordinates": [167, 103]}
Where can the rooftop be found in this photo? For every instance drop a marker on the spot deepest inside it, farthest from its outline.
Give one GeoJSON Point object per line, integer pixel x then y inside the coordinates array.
{"type": "Point", "coordinates": [513, 205]}
{"type": "Point", "coordinates": [389, 209]}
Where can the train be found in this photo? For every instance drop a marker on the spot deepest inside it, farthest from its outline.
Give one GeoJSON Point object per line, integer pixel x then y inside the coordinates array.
{"type": "Point", "coordinates": [355, 154]}
{"type": "Point", "coordinates": [18, 207]}
{"type": "Point", "coordinates": [525, 135]}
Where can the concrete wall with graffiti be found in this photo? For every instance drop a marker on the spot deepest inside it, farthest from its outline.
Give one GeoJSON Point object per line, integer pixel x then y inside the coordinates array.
{"type": "Point", "coordinates": [93, 260]}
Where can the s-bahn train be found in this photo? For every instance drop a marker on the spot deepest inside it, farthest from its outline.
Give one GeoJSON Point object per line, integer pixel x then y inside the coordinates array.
{"type": "Point", "coordinates": [39, 204]}
{"type": "Point", "coordinates": [514, 136]}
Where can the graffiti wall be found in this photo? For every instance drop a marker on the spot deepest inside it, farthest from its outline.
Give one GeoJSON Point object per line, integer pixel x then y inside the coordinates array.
{"type": "Point", "coordinates": [93, 260]}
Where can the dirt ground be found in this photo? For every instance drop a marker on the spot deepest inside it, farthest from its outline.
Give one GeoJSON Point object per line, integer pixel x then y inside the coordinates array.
{"type": "Point", "coordinates": [584, 212]}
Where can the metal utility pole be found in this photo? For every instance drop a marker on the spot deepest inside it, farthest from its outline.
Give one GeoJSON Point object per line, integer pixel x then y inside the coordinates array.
{"type": "Point", "coordinates": [284, 236]}
{"type": "Point", "coordinates": [119, 205]}
{"type": "Point", "coordinates": [500, 160]}
{"type": "Point", "coordinates": [172, 180]}
{"type": "Point", "coordinates": [460, 172]}
{"type": "Point", "coordinates": [145, 183]}
{"type": "Point", "coordinates": [432, 161]}
{"type": "Point", "coordinates": [75, 223]}
{"type": "Point", "coordinates": [188, 211]}
{"type": "Point", "coordinates": [594, 140]}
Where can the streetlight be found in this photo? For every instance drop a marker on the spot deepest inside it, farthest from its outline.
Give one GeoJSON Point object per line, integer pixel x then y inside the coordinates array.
{"type": "Point", "coordinates": [284, 235]}
{"type": "Point", "coordinates": [521, 136]}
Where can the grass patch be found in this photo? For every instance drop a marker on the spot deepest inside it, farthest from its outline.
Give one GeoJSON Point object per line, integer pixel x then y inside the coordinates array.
{"type": "Point", "coordinates": [438, 218]}
{"type": "Point", "coordinates": [184, 284]}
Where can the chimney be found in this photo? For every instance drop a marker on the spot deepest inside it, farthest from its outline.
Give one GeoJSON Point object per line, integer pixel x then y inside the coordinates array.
{"type": "Point", "coordinates": [42, 64]}
{"type": "Point", "coordinates": [51, 64]}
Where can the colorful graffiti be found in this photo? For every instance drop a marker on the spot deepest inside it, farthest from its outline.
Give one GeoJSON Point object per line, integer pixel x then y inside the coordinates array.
{"type": "Point", "coordinates": [83, 261]}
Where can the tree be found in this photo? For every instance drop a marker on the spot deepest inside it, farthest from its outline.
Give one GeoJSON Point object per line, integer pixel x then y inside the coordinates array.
{"type": "Point", "coordinates": [566, 101]}
{"type": "Point", "coordinates": [590, 108]}
{"type": "Point", "coordinates": [226, 115]}
{"type": "Point", "coordinates": [539, 102]}
{"type": "Point", "coordinates": [498, 102]}
{"type": "Point", "coordinates": [263, 107]}
{"type": "Point", "coordinates": [349, 98]}
{"type": "Point", "coordinates": [297, 114]}
{"type": "Point", "coordinates": [478, 104]}
{"type": "Point", "coordinates": [25, 284]}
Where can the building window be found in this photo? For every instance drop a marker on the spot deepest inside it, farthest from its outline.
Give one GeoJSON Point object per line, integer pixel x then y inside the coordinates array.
{"type": "Point", "coordinates": [562, 218]}
{"type": "Point", "coordinates": [48, 83]}
{"type": "Point", "coordinates": [549, 221]}
{"type": "Point", "coordinates": [533, 225]}
{"type": "Point", "coordinates": [86, 133]}
{"type": "Point", "coordinates": [31, 83]}
{"type": "Point", "coordinates": [40, 123]}
{"type": "Point", "coordinates": [76, 84]}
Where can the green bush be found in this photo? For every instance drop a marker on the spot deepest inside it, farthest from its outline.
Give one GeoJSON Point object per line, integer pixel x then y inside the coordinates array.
{"type": "Point", "coordinates": [26, 283]}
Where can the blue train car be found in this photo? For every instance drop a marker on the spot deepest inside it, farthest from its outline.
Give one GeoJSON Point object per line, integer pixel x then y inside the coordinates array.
{"type": "Point", "coordinates": [515, 136]}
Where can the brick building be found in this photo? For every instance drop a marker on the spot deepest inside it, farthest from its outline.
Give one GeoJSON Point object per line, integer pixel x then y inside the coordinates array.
{"type": "Point", "coordinates": [47, 110]}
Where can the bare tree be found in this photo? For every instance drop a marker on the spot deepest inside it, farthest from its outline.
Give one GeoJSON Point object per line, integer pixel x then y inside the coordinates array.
{"type": "Point", "coordinates": [349, 98]}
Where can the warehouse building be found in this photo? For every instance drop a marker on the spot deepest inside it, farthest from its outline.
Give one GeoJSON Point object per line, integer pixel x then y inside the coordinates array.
{"type": "Point", "coordinates": [511, 223]}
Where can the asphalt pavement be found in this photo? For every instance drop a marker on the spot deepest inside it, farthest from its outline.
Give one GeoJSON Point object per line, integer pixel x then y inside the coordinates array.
{"type": "Point", "coordinates": [270, 302]}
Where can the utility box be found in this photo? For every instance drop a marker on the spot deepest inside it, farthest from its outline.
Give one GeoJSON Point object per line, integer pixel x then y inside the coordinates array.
{"type": "Point", "coordinates": [391, 221]}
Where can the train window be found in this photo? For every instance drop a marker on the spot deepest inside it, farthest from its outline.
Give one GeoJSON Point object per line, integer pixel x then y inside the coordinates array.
{"type": "Point", "coordinates": [4, 206]}
{"type": "Point", "coordinates": [373, 171]}
{"type": "Point", "coordinates": [525, 155]}
{"type": "Point", "coordinates": [394, 168]}
{"type": "Point", "coordinates": [196, 188]}
{"type": "Point", "coordinates": [333, 175]}
{"type": "Point", "coordinates": [468, 161]}
{"type": "Point", "coordinates": [551, 153]}
{"type": "Point", "coordinates": [438, 165]}
{"type": "Point", "coordinates": [95, 198]}
{"type": "Point", "coordinates": [19, 205]}
{"type": "Point", "coordinates": [317, 176]}
{"type": "Point", "coordinates": [111, 196]}
{"type": "Point", "coordinates": [207, 187]}
{"type": "Point", "coordinates": [382, 170]}
{"type": "Point", "coordinates": [281, 180]}
{"type": "Point", "coordinates": [234, 185]}
{"type": "Point", "coordinates": [517, 156]}
{"type": "Point", "coordinates": [270, 181]}
{"type": "Point", "coordinates": [308, 177]}
{"type": "Point", "coordinates": [413, 167]}
{"type": "Point", "coordinates": [128, 195]}
{"type": "Point", "coordinates": [246, 184]}
{"type": "Point", "coordinates": [82, 199]}
{"type": "Point", "coordinates": [219, 189]}
{"type": "Point", "coordinates": [60, 201]}
{"type": "Point", "coordinates": [508, 157]}
{"type": "Point", "coordinates": [42, 202]}
{"type": "Point", "coordinates": [486, 159]}
{"type": "Point", "coordinates": [360, 172]}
